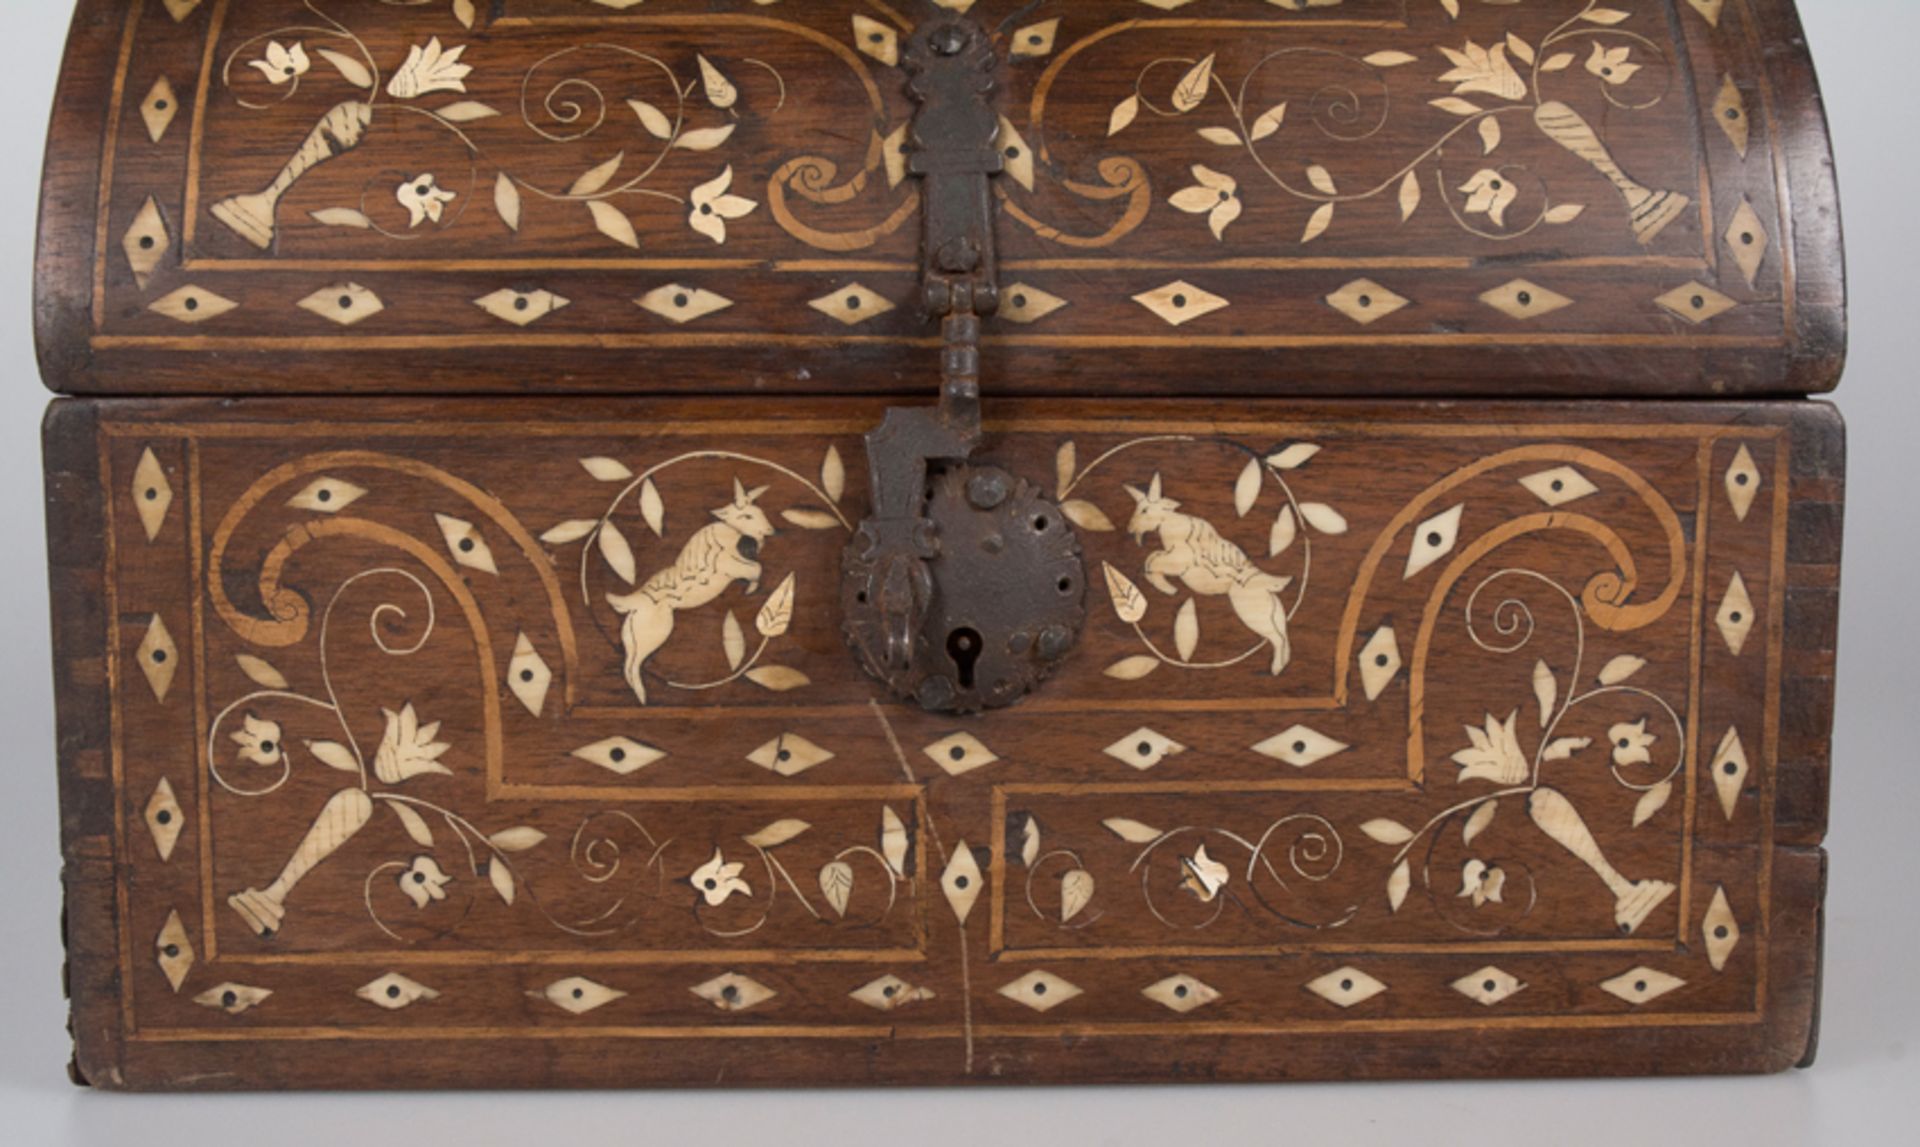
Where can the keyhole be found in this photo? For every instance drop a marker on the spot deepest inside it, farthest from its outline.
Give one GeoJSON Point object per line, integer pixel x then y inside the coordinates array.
{"type": "Point", "coordinates": [963, 645]}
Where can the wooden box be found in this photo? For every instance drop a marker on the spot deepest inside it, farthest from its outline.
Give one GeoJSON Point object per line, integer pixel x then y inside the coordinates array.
{"type": "Point", "coordinates": [1405, 553]}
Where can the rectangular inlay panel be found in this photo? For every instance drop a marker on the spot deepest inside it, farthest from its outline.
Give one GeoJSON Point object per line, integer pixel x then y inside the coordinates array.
{"type": "Point", "coordinates": [1400, 738]}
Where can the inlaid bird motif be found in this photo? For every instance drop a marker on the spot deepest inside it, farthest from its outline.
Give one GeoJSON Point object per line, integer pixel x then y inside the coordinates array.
{"type": "Point", "coordinates": [1193, 553]}
{"type": "Point", "coordinates": [712, 560]}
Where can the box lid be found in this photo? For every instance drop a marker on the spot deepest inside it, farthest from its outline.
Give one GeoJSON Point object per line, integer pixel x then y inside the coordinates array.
{"type": "Point", "coordinates": [1382, 197]}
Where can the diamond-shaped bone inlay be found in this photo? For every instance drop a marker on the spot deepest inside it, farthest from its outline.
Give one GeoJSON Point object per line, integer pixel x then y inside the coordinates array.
{"type": "Point", "coordinates": [789, 755]}
{"type": "Point", "coordinates": [146, 242]}
{"type": "Point", "coordinates": [1181, 993]}
{"type": "Point", "coordinates": [152, 493]}
{"type": "Point", "coordinates": [159, 658]}
{"type": "Point", "coordinates": [1488, 986]}
{"type": "Point", "coordinates": [192, 305]}
{"type": "Point", "coordinates": [1023, 304]}
{"type": "Point", "coordinates": [1709, 9]}
{"type": "Point", "coordinates": [1040, 990]}
{"type": "Point", "coordinates": [1559, 486]}
{"type": "Point", "coordinates": [528, 675]}
{"type": "Point", "coordinates": [521, 308]}
{"type": "Point", "coordinates": [174, 951]}
{"type": "Point", "coordinates": [1730, 112]}
{"type": "Point", "coordinates": [1642, 985]}
{"type": "Point", "coordinates": [1735, 617]}
{"type": "Point", "coordinates": [961, 881]}
{"type": "Point", "coordinates": [164, 819]}
{"type": "Point", "coordinates": [1143, 748]}
{"type": "Point", "coordinates": [1345, 987]}
{"type": "Point", "coordinates": [465, 544]}
{"type": "Point", "coordinates": [852, 305]}
{"type": "Point", "coordinates": [621, 755]}
{"type": "Point", "coordinates": [876, 40]}
{"type": "Point", "coordinates": [960, 753]}
{"type": "Point", "coordinates": [889, 992]}
{"type": "Point", "coordinates": [1747, 241]}
{"type": "Point", "coordinates": [1524, 299]}
{"type": "Point", "coordinates": [1034, 40]}
{"type": "Point", "coordinates": [1366, 302]}
{"type": "Point", "coordinates": [1300, 747]}
{"type": "Point", "coordinates": [1379, 662]}
{"type": "Point", "coordinates": [394, 991]}
{"type": "Point", "coordinates": [159, 108]}
{"type": "Point", "coordinates": [347, 304]}
{"type": "Point", "coordinates": [679, 305]}
{"type": "Point", "coordinates": [1016, 153]}
{"type": "Point", "coordinates": [734, 992]}
{"type": "Point", "coordinates": [1179, 303]}
{"type": "Point", "coordinates": [1434, 539]}
{"type": "Point", "coordinates": [578, 995]}
{"type": "Point", "coordinates": [1730, 770]}
{"type": "Point", "coordinates": [1696, 303]}
{"type": "Point", "coordinates": [1720, 929]}
{"type": "Point", "coordinates": [1743, 483]}
{"type": "Point", "coordinates": [232, 998]}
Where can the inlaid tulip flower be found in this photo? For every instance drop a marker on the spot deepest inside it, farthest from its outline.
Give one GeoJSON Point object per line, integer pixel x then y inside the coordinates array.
{"type": "Point", "coordinates": [1215, 195]}
{"type": "Point", "coordinates": [1631, 743]}
{"type": "Point", "coordinates": [1612, 64]}
{"type": "Point", "coordinates": [430, 69]}
{"type": "Point", "coordinates": [1489, 193]}
{"type": "Point", "coordinates": [1482, 883]}
{"type": "Point", "coordinates": [1205, 876]}
{"type": "Point", "coordinates": [712, 207]}
{"type": "Point", "coordinates": [408, 749]}
{"type": "Point", "coordinates": [282, 65]}
{"type": "Point", "coordinates": [1477, 69]}
{"type": "Point", "coordinates": [1495, 755]}
{"type": "Point", "coordinates": [716, 880]}
{"type": "Point", "coordinates": [259, 741]}
{"type": "Point", "coordinates": [424, 882]}
{"type": "Point", "coordinates": [424, 199]}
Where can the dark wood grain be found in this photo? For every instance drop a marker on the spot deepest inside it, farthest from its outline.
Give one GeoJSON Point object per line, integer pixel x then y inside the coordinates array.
{"type": "Point", "coordinates": [231, 568]}
{"type": "Point", "coordinates": [1095, 223]}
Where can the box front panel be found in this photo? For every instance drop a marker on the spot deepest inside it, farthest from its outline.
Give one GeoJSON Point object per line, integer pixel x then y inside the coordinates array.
{"type": "Point", "coordinates": [518, 744]}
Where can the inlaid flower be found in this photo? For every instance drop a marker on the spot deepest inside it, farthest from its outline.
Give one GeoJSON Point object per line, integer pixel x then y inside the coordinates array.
{"type": "Point", "coordinates": [259, 741]}
{"type": "Point", "coordinates": [712, 207]}
{"type": "Point", "coordinates": [1205, 876]}
{"type": "Point", "coordinates": [1631, 743]}
{"type": "Point", "coordinates": [1215, 195]}
{"type": "Point", "coordinates": [1482, 883]}
{"type": "Point", "coordinates": [716, 880]}
{"type": "Point", "coordinates": [282, 65]}
{"type": "Point", "coordinates": [1478, 69]}
{"type": "Point", "coordinates": [1489, 193]}
{"type": "Point", "coordinates": [424, 882]}
{"type": "Point", "coordinates": [430, 69]}
{"type": "Point", "coordinates": [424, 199]}
{"type": "Point", "coordinates": [1612, 64]}
{"type": "Point", "coordinates": [1495, 754]}
{"type": "Point", "coordinates": [408, 748]}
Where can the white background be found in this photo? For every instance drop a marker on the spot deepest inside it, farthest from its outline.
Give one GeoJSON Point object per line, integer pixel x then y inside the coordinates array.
{"type": "Point", "coordinates": [1864, 1091]}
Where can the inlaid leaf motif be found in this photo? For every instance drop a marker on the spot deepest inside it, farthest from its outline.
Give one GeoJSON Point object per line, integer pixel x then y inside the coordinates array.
{"type": "Point", "coordinates": [1558, 62]}
{"type": "Point", "coordinates": [1132, 831]}
{"type": "Point", "coordinates": [606, 469]}
{"type": "Point", "coordinates": [1564, 748]}
{"type": "Point", "coordinates": [1319, 222]}
{"type": "Point", "coordinates": [778, 678]}
{"type": "Point", "coordinates": [501, 877]}
{"type": "Point", "coordinates": [1651, 802]}
{"type": "Point", "coordinates": [506, 200]}
{"type": "Point", "coordinates": [1621, 668]}
{"type": "Point", "coordinates": [893, 840]}
{"type": "Point", "coordinates": [1399, 884]}
{"type": "Point", "coordinates": [1269, 122]}
{"type": "Point", "coordinates": [833, 474]}
{"type": "Point", "coordinates": [1283, 533]}
{"type": "Point", "coordinates": [778, 833]}
{"type": "Point", "coordinates": [1246, 489]}
{"type": "Point", "coordinates": [1389, 59]}
{"type": "Point", "coordinates": [704, 139]}
{"type": "Point", "coordinates": [1128, 602]}
{"type": "Point", "coordinates": [1132, 668]}
{"type": "Point", "coordinates": [1294, 456]}
{"type": "Point", "coordinates": [1410, 192]}
{"type": "Point", "coordinates": [261, 673]}
{"type": "Point", "coordinates": [1605, 16]}
{"type": "Point", "coordinates": [1065, 462]}
{"type": "Point", "coordinates": [618, 554]}
{"type": "Point", "coordinates": [836, 884]}
{"type": "Point", "coordinates": [1191, 91]}
{"type": "Point", "coordinates": [355, 72]}
{"type": "Point", "coordinates": [1076, 892]}
{"type": "Point", "coordinates": [342, 217]}
{"type": "Point", "coordinates": [1489, 134]}
{"type": "Point", "coordinates": [810, 519]}
{"type": "Point", "coordinates": [1478, 822]}
{"type": "Point", "coordinates": [1186, 630]}
{"type": "Point", "coordinates": [1546, 689]}
{"type": "Point", "coordinates": [334, 755]}
{"type": "Point", "coordinates": [733, 641]}
{"type": "Point", "coordinates": [518, 839]}
{"type": "Point", "coordinates": [653, 509]}
{"type": "Point", "coordinates": [613, 224]}
{"type": "Point", "coordinates": [720, 91]}
{"type": "Point", "coordinates": [777, 615]}
{"type": "Point", "coordinates": [1323, 517]}
{"type": "Point", "coordinates": [411, 821]}
{"type": "Point", "coordinates": [1521, 50]}
{"type": "Point", "coordinates": [1225, 137]}
{"type": "Point", "coordinates": [1322, 180]}
{"type": "Point", "coordinates": [1029, 842]}
{"type": "Point", "coordinates": [653, 119]}
{"type": "Point", "coordinates": [1087, 516]}
{"type": "Point", "coordinates": [597, 178]}
{"type": "Point", "coordinates": [463, 11]}
{"type": "Point", "coordinates": [1124, 113]}
{"type": "Point", "coordinates": [1565, 213]}
{"type": "Point", "coordinates": [572, 531]}
{"type": "Point", "coordinates": [1387, 831]}
{"type": "Point", "coordinates": [466, 111]}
